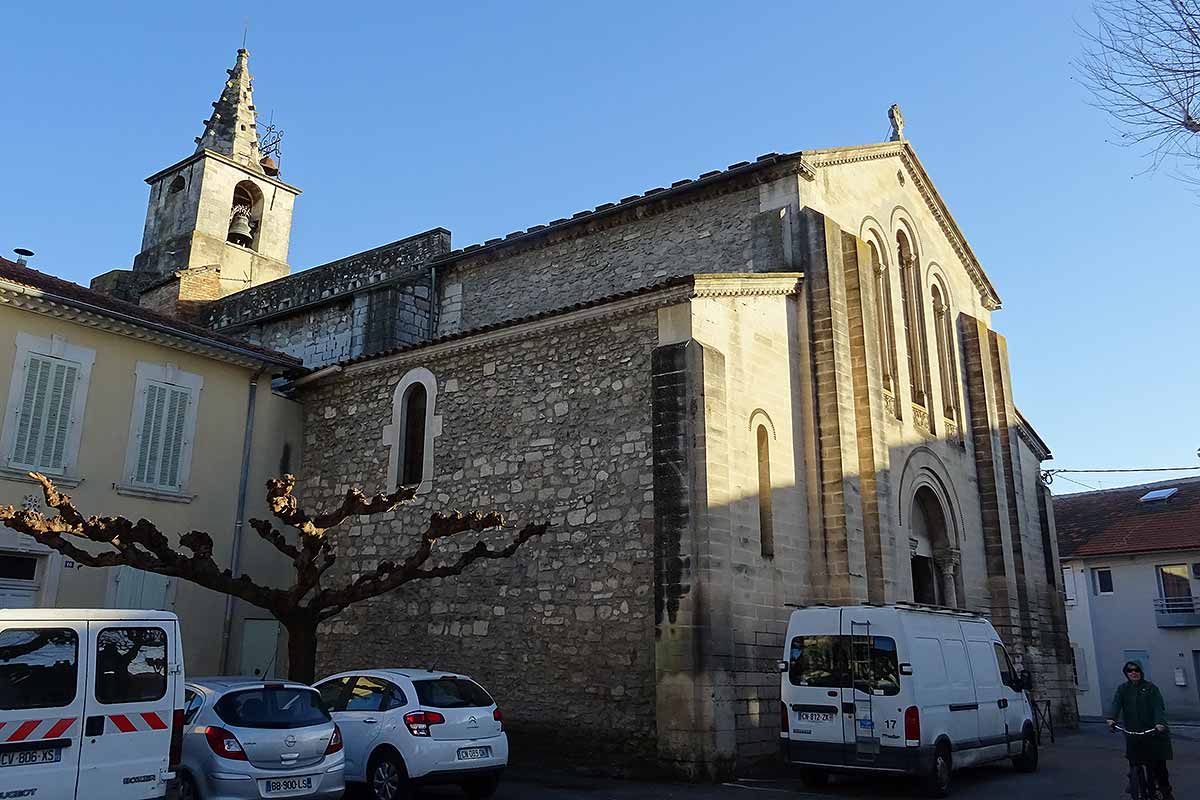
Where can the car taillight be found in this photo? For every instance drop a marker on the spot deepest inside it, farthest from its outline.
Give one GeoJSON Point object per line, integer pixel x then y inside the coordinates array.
{"type": "Point", "coordinates": [176, 738]}
{"type": "Point", "coordinates": [335, 741]}
{"type": "Point", "coordinates": [418, 722]}
{"type": "Point", "coordinates": [224, 743]}
{"type": "Point", "coordinates": [499, 717]}
{"type": "Point", "coordinates": [912, 726]}
{"type": "Point", "coordinates": [783, 718]}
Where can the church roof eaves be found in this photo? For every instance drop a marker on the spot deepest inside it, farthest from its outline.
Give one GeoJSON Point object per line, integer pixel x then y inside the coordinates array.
{"type": "Point", "coordinates": [762, 169]}
{"type": "Point", "coordinates": [183, 162]}
{"type": "Point", "coordinates": [668, 292]}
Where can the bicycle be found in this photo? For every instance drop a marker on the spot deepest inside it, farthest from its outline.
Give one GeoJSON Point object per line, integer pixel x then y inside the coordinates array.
{"type": "Point", "coordinates": [1141, 783]}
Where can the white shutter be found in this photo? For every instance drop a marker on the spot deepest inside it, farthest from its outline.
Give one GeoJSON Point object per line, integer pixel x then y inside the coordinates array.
{"type": "Point", "coordinates": [161, 440]}
{"type": "Point", "coordinates": [1068, 577]}
{"type": "Point", "coordinates": [44, 419]}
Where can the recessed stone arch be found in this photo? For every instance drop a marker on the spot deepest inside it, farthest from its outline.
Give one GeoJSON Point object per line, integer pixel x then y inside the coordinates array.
{"type": "Point", "coordinates": [929, 507]}
{"type": "Point", "coordinates": [760, 417]}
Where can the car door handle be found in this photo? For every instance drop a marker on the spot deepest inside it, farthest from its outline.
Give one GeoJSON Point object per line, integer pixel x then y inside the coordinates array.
{"type": "Point", "coordinates": [370, 720]}
{"type": "Point", "coordinates": [1002, 703]}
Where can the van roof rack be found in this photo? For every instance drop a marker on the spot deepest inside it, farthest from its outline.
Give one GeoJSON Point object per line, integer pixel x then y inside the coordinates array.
{"type": "Point", "coordinates": [936, 609]}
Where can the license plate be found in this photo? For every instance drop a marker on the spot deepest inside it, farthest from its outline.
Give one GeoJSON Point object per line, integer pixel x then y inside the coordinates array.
{"type": "Point", "coordinates": [276, 785]}
{"type": "Point", "coordinates": [25, 758]}
{"type": "Point", "coordinates": [468, 753]}
{"type": "Point", "coordinates": [815, 716]}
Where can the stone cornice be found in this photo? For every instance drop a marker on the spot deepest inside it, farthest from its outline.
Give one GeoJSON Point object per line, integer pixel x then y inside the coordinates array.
{"type": "Point", "coordinates": [38, 302]}
{"type": "Point", "coordinates": [1031, 438]}
{"type": "Point", "coordinates": [933, 201]}
{"type": "Point", "coordinates": [178, 165]}
{"type": "Point", "coordinates": [698, 286]}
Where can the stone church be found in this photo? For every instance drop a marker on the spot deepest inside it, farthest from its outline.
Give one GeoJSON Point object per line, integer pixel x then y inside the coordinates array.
{"type": "Point", "coordinates": [774, 384]}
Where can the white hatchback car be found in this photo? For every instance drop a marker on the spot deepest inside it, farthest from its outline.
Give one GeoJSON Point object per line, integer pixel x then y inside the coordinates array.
{"type": "Point", "coordinates": [410, 727]}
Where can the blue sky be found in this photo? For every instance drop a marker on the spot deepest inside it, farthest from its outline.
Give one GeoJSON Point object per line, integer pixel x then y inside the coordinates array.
{"type": "Point", "coordinates": [489, 118]}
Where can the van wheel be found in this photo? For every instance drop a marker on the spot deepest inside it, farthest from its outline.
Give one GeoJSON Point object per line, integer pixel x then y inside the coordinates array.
{"type": "Point", "coordinates": [1028, 760]}
{"type": "Point", "coordinates": [814, 778]}
{"type": "Point", "coordinates": [482, 788]}
{"type": "Point", "coordinates": [187, 787]}
{"type": "Point", "coordinates": [387, 779]}
{"type": "Point", "coordinates": [937, 783]}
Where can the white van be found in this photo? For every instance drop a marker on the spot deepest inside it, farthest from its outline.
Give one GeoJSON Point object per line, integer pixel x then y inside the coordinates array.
{"type": "Point", "coordinates": [91, 703]}
{"type": "Point", "coordinates": [900, 689]}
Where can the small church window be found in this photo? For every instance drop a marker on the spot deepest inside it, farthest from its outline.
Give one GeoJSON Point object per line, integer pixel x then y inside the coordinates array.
{"type": "Point", "coordinates": [766, 521]}
{"type": "Point", "coordinates": [914, 340]}
{"type": "Point", "coordinates": [883, 317]}
{"type": "Point", "coordinates": [177, 185]}
{"type": "Point", "coordinates": [412, 430]}
{"type": "Point", "coordinates": [412, 438]}
{"type": "Point", "coordinates": [948, 369]}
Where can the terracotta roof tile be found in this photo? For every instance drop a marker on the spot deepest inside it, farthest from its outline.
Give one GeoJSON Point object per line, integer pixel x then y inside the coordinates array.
{"type": "Point", "coordinates": [1112, 521]}
{"type": "Point", "coordinates": [33, 279]}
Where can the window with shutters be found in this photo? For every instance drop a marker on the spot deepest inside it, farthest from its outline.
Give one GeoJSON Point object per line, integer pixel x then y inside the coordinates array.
{"type": "Point", "coordinates": [47, 397]}
{"type": "Point", "coordinates": [161, 430]}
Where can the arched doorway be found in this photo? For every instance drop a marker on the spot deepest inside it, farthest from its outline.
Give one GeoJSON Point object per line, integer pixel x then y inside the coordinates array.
{"type": "Point", "coordinates": [933, 555]}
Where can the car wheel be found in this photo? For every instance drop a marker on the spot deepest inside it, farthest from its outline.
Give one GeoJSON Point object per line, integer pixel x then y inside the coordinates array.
{"type": "Point", "coordinates": [188, 790]}
{"type": "Point", "coordinates": [482, 788]}
{"type": "Point", "coordinates": [387, 779]}
{"type": "Point", "coordinates": [814, 778]}
{"type": "Point", "coordinates": [937, 783]}
{"type": "Point", "coordinates": [1028, 760]}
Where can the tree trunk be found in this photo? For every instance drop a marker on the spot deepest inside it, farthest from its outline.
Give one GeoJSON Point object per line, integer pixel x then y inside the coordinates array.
{"type": "Point", "coordinates": [302, 649]}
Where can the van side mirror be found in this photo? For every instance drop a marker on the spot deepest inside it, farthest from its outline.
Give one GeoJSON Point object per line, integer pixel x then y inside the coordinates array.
{"type": "Point", "coordinates": [906, 669]}
{"type": "Point", "coordinates": [782, 665]}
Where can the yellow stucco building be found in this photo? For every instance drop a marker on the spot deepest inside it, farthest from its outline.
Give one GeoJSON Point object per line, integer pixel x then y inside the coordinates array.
{"type": "Point", "coordinates": [137, 414]}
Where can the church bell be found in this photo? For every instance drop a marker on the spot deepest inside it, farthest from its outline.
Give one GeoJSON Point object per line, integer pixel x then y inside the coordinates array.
{"type": "Point", "coordinates": [239, 229]}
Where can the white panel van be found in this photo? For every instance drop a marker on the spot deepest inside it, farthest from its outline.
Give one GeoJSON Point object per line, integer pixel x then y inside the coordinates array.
{"type": "Point", "coordinates": [91, 703]}
{"type": "Point", "coordinates": [900, 689]}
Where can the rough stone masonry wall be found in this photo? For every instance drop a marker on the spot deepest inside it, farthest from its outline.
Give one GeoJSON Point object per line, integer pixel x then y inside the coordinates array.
{"type": "Point", "coordinates": [363, 323]}
{"type": "Point", "coordinates": [718, 234]}
{"type": "Point", "coordinates": [551, 426]}
{"type": "Point", "coordinates": [323, 284]}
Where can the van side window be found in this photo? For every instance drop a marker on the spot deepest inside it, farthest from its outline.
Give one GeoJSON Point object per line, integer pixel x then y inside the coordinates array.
{"type": "Point", "coordinates": [818, 661]}
{"type": "Point", "coordinates": [38, 667]}
{"type": "Point", "coordinates": [131, 665]}
{"type": "Point", "coordinates": [874, 665]}
{"type": "Point", "coordinates": [1008, 675]}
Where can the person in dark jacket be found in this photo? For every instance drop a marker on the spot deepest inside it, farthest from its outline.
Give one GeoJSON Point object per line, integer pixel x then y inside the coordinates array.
{"type": "Point", "coordinates": [1139, 704]}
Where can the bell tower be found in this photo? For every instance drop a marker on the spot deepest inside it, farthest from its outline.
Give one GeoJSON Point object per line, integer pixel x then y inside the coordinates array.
{"type": "Point", "coordinates": [220, 220]}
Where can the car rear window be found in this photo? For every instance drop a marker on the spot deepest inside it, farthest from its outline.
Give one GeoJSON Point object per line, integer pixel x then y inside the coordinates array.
{"type": "Point", "coordinates": [451, 693]}
{"type": "Point", "coordinates": [272, 707]}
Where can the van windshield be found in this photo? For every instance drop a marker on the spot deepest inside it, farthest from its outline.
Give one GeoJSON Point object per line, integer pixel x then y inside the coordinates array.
{"type": "Point", "coordinates": [832, 662]}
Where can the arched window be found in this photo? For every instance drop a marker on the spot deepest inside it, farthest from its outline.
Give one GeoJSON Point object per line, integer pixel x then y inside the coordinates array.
{"type": "Point", "coordinates": [914, 339]}
{"type": "Point", "coordinates": [245, 215]}
{"type": "Point", "coordinates": [412, 430]}
{"type": "Point", "coordinates": [177, 185]}
{"type": "Point", "coordinates": [948, 369]}
{"type": "Point", "coordinates": [883, 317]}
{"type": "Point", "coordinates": [766, 522]}
{"type": "Point", "coordinates": [412, 435]}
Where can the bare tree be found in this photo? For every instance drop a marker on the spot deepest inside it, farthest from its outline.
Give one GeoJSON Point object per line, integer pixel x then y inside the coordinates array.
{"type": "Point", "coordinates": [1141, 63]}
{"type": "Point", "coordinates": [301, 607]}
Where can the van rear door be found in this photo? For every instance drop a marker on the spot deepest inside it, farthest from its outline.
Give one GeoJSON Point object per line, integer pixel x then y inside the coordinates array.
{"type": "Point", "coordinates": [873, 684]}
{"type": "Point", "coordinates": [813, 686]}
{"type": "Point", "coordinates": [42, 672]}
{"type": "Point", "coordinates": [130, 698]}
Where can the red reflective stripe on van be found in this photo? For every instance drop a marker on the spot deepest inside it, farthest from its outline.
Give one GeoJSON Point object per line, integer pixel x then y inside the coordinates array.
{"type": "Point", "coordinates": [123, 724]}
{"type": "Point", "coordinates": [60, 728]}
{"type": "Point", "coordinates": [154, 721]}
{"type": "Point", "coordinates": [24, 729]}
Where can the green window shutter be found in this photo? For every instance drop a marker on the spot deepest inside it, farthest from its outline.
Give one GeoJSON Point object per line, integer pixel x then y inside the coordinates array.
{"type": "Point", "coordinates": [44, 420]}
{"type": "Point", "coordinates": [161, 439]}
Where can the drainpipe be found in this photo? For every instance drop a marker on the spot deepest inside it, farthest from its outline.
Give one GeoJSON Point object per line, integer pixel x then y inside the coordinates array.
{"type": "Point", "coordinates": [433, 302]}
{"type": "Point", "coordinates": [240, 522]}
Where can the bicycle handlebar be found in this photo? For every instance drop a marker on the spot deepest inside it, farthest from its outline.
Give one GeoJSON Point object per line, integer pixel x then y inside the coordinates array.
{"type": "Point", "coordinates": [1134, 733]}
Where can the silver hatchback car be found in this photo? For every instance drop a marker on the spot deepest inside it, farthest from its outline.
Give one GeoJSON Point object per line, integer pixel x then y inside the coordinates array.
{"type": "Point", "coordinates": [248, 739]}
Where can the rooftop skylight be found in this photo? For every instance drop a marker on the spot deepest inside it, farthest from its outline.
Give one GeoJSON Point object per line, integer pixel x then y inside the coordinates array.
{"type": "Point", "coordinates": [1156, 495]}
